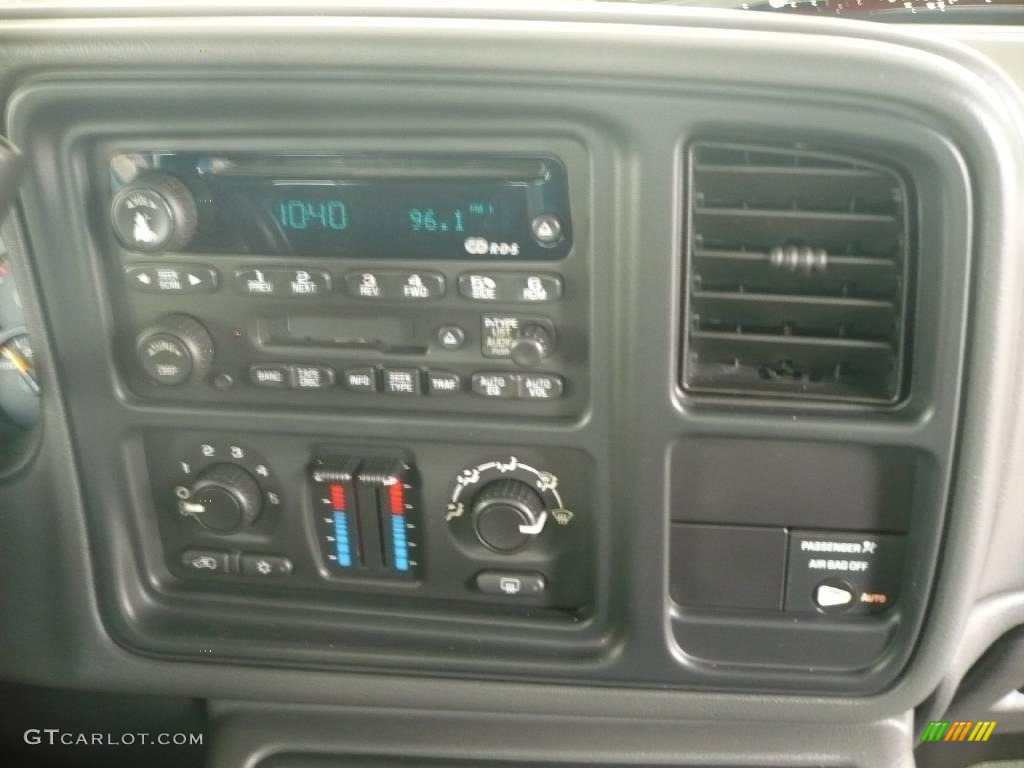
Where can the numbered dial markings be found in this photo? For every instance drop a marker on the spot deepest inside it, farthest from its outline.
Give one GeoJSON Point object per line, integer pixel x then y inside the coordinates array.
{"type": "Point", "coordinates": [208, 453]}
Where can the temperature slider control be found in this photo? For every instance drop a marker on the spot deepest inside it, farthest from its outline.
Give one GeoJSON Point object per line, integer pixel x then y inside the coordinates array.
{"type": "Point", "coordinates": [366, 518]}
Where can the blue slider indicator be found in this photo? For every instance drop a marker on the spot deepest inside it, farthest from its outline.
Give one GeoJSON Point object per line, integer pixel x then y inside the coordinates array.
{"type": "Point", "coordinates": [398, 535]}
{"type": "Point", "coordinates": [342, 544]}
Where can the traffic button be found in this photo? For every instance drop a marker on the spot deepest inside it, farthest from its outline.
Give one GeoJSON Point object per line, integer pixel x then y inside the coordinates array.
{"type": "Point", "coordinates": [444, 383]}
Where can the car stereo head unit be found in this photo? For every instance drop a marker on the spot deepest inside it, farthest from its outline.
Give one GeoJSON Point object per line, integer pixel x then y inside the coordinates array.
{"type": "Point", "coordinates": [344, 205]}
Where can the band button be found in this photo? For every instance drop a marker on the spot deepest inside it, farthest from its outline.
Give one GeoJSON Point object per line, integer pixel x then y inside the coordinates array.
{"type": "Point", "coordinates": [269, 375]}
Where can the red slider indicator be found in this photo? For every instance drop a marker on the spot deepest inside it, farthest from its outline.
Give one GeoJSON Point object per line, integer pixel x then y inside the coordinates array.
{"type": "Point", "coordinates": [337, 491]}
{"type": "Point", "coordinates": [397, 498]}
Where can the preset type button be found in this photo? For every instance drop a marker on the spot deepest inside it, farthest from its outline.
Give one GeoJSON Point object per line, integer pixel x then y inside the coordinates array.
{"type": "Point", "coordinates": [402, 381]}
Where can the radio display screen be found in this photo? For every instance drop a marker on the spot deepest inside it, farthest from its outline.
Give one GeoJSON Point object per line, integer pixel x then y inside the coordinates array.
{"type": "Point", "coordinates": [414, 219]}
{"type": "Point", "coordinates": [288, 206]}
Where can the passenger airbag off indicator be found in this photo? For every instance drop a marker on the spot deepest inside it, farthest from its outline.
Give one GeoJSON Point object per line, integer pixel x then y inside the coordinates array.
{"type": "Point", "coordinates": [843, 573]}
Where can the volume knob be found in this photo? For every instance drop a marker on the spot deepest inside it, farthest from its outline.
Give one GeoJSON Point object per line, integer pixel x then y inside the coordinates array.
{"type": "Point", "coordinates": [154, 213]}
{"type": "Point", "coordinates": [224, 498]}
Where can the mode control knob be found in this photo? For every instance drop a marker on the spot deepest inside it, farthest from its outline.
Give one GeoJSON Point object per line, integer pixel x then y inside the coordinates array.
{"type": "Point", "coordinates": [224, 498]}
{"type": "Point", "coordinates": [507, 515]}
{"type": "Point", "coordinates": [532, 346]}
{"type": "Point", "coordinates": [155, 213]}
{"type": "Point", "coordinates": [175, 350]}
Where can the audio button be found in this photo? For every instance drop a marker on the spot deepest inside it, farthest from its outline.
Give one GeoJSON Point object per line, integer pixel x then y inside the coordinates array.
{"type": "Point", "coordinates": [311, 377]}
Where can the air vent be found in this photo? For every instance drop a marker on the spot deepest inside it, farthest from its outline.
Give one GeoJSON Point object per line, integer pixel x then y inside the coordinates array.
{"type": "Point", "coordinates": [798, 272]}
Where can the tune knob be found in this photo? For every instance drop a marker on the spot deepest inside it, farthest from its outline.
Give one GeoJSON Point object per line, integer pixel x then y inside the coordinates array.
{"type": "Point", "coordinates": [175, 350]}
{"type": "Point", "coordinates": [224, 498]}
{"type": "Point", "coordinates": [155, 213]}
{"type": "Point", "coordinates": [507, 515]}
{"type": "Point", "coordinates": [532, 347]}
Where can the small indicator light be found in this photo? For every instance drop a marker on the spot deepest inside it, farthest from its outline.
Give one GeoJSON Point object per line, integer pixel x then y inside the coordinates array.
{"type": "Point", "coordinates": [337, 491]}
{"type": "Point", "coordinates": [397, 498]}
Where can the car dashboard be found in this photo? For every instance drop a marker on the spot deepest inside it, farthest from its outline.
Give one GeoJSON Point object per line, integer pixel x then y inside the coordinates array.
{"type": "Point", "coordinates": [515, 384]}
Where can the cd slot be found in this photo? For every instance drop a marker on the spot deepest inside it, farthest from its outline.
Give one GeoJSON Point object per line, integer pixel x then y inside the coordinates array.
{"type": "Point", "coordinates": [352, 168]}
{"type": "Point", "coordinates": [387, 335]}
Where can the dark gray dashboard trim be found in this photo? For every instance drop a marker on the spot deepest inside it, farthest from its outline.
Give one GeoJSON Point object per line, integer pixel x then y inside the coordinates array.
{"type": "Point", "coordinates": [274, 737]}
{"type": "Point", "coordinates": [974, 101]}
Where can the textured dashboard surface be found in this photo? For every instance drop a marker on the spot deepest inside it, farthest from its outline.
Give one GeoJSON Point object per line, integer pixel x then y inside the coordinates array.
{"type": "Point", "coordinates": [49, 603]}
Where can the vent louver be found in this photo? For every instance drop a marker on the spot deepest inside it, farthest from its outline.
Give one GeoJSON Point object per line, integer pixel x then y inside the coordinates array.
{"type": "Point", "coordinates": [798, 272]}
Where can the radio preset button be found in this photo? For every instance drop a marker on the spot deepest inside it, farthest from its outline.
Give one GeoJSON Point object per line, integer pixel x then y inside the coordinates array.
{"type": "Point", "coordinates": [495, 385]}
{"type": "Point", "coordinates": [365, 285]}
{"type": "Point", "coordinates": [259, 282]}
{"type": "Point", "coordinates": [537, 289]}
{"type": "Point", "coordinates": [311, 377]}
{"type": "Point", "coordinates": [269, 375]}
{"type": "Point", "coordinates": [478, 287]}
{"type": "Point", "coordinates": [305, 283]}
{"type": "Point", "coordinates": [540, 386]}
{"type": "Point", "coordinates": [420, 286]}
{"type": "Point", "coordinates": [361, 379]}
{"type": "Point", "coordinates": [393, 285]}
{"type": "Point", "coordinates": [402, 381]}
{"type": "Point", "coordinates": [510, 287]}
{"type": "Point", "coordinates": [444, 383]}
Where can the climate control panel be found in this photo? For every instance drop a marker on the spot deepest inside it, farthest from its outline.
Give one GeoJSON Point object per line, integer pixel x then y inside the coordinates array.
{"type": "Point", "coordinates": [423, 521]}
